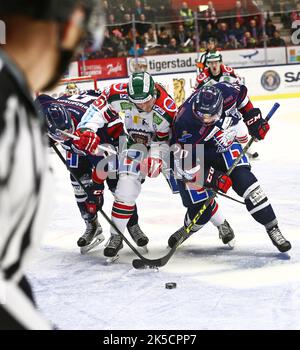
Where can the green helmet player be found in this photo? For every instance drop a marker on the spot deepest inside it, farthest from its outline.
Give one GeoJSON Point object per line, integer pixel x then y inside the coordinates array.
{"type": "Point", "coordinates": [141, 88]}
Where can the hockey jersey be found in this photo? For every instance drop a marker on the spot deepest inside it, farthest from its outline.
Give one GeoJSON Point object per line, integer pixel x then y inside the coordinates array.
{"type": "Point", "coordinates": [227, 74]}
{"type": "Point", "coordinates": [220, 136]}
{"type": "Point", "coordinates": [77, 105]}
{"type": "Point", "coordinates": [147, 128]}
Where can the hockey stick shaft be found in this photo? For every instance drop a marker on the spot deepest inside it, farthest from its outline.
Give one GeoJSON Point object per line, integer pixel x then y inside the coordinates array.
{"type": "Point", "coordinates": [90, 195]}
{"type": "Point", "coordinates": [162, 261]}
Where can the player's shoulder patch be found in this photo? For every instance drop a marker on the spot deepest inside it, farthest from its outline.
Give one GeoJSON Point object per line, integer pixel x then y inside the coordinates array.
{"type": "Point", "coordinates": [116, 92]}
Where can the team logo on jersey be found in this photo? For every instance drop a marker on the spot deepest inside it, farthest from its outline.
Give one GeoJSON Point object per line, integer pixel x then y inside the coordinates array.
{"type": "Point", "coordinates": [126, 105]}
{"type": "Point", "coordinates": [185, 136]}
{"type": "Point", "coordinates": [156, 119]}
{"type": "Point", "coordinates": [270, 80]}
{"type": "Point", "coordinates": [158, 110]}
{"type": "Point", "coordinates": [169, 105]}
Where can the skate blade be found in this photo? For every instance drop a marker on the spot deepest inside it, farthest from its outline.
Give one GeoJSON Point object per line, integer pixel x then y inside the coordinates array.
{"type": "Point", "coordinates": [98, 239]}
{"type": "Point", "coordinates": [111, 260]}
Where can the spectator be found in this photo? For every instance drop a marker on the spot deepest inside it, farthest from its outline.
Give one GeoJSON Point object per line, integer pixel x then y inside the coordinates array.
{"type": "Point", "coordinates": [270, 28]}
{"type": "Point", "coordinates": [140, 44]}
{"type": "Point", "coordinates": [186, 14]}
{"type": "Point", "coordinates": [211, 14]}
{"type": "Point", "coordinates": [182, 36]}
{"type": "Point", "coordinates": [150, 38]}
{"type": "Point", "coordinates": [232, 43]}
{"type": "Point", "coordinates": [237, 32]}
{"type": "Point", "coordinates": [139, 9]}
{"type": "Point", "coordinates": [248, 41]}
{"type": "Point", "coordinates": [239, 13]}
{"type": "Point", "coordinates": [163, 37]}
{"type": "Point", "coordinates": [173, 47]}
{"type": "Point", "coordinates": [126, 28]}
{"type": "Point", "coordinates": [276, 40]}
{"type": "Point", "coordinates": [209, 32]}
{"type": "Point", "coordinates": [223, 34]}
{"type": "Point", "coordinates": [141, 25]}
{"type": "Point", "coordinates": [109, 48]}
{"type": "Point", "coordinates": [254, 30]}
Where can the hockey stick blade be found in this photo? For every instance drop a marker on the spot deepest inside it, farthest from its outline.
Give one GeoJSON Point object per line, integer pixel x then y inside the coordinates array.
{"type": "Point", "coordinates": [153, 263]}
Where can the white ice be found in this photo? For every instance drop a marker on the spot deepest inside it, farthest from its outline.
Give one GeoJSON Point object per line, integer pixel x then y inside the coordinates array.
{"type": "Point", "coordinates": [250, 287]}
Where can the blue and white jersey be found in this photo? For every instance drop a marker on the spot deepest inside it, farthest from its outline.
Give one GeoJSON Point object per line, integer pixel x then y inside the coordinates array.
{"type": "Point", "coordinates": [77, 105]}
{"type": "Point", "coordinates": [187, 129]}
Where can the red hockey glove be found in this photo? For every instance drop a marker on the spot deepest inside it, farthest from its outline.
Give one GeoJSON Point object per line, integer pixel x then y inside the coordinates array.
{"type": "Point", "coordinates": [256, 125]}
{"type": "Point", "coordinates": [151, 166]}
{"type": "Point", "coordinates": [216, 180]}
{"type": "Point", "coordinates": [88, 141]}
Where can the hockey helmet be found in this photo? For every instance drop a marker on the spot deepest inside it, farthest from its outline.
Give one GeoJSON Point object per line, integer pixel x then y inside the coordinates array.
{"type": "Point", "coordinates": [72, 89]}
{"type": "Point", "coordinates": [208, 105]}
{"type": "Point", "coordinates": [59, 122]}
{"type": "Point", "coordinates": [60, 11]}
{"type": "Point", "coordinates": [214, 57]}
{"type": "Point", "coordinates": [141, 88]}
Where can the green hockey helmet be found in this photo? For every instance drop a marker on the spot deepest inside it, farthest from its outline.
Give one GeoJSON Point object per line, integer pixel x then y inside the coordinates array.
{"type": "Point", "coordinates": [214, 57]}
{"type": "Point", "coordinates": [141, 87]}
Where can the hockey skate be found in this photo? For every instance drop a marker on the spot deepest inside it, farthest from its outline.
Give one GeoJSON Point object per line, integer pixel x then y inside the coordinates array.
{"type": "Point", "coordinates": [138, 236]}
{"type": "Point", "coordinates": [92, 236]}
{"type": "Point", "coordinates": [226, 234]}
{"type": "Point", "coordinates": [278, 240]}
{"type": "Point", "coordinates": [177, 236]}
{"type": "Point", "coordinates": [114, 244]}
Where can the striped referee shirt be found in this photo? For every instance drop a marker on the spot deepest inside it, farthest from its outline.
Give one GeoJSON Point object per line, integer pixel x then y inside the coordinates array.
{"type": "Point", "coordinates": [23, 172]}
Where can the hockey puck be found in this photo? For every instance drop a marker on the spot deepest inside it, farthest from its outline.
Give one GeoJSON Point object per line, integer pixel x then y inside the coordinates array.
{"type": "Point", "coordinates": [171, 285]}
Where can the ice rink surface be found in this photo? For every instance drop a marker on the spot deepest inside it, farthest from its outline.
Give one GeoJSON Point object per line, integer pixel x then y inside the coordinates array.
{"type": "Point", "coordinates": [250, 287]}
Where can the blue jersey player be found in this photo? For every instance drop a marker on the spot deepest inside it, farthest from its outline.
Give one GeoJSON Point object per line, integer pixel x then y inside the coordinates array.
{"type": "Point", "coordinates": [215, 117]}
{"type": "Point", "coordinates": [62, 116]}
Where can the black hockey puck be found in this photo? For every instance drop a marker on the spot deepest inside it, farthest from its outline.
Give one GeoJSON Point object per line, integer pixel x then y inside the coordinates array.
{"type": "Point", "coordinates": [171, 285]}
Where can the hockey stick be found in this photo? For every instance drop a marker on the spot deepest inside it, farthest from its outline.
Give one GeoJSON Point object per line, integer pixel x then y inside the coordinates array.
{"type": "Point", "coordinates": [90, 195]}
{"type": "Point", "coordinates": [141, 263]}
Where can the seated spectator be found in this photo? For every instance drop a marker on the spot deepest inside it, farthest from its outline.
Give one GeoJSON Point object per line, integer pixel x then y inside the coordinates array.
{"type": "Point", "coordinates": [232, 43]}
{"type": "Point", "coordinates": [108, 47]}
{"type": "Point", "coordinates": [141, 25]}
{"type": "Point", "coordinates": [162, 12]}
{"type": "Point", "coordinates": [209, 32]}
{"type": "Point", "coordinates": [254, 30]}
{"type": "Point", "coordinates": [223, 34]}
{"type": "Point", "coordinates": [211, 14]}
{"type": "Point", "coordinates": [163, 37]}
{"type": "Point", "coordinates": [126, 28]}
{"type": "Point", "coordinates": [150, 38]}
{"type": "Point", "coordinates": [186, 14]}
{"type": "Point", "coordinates": [140, 44]}
{"type": "Point", "coordinates": [182, 36]}
{"type": "Point", "coordinates": [276, 40]}
{"type": "Point", "coordinates": [173, 47]}
{"type": "Point", "coordinates": [237, 31]}
{"type": "Point", "coordinates": [270, 28]}
{"type": "Point", "coordinates": [248, 41]}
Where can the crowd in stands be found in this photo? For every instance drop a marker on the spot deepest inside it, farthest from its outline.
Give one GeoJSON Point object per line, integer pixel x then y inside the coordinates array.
{"type": "Point", "coordinates": [161, 29]}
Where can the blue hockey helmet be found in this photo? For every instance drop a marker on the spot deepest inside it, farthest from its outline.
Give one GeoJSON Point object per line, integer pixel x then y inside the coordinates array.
{"type": "Point", "coordinates": [208, 105]}
{"type": "Point", "coordinates": [59, 122]}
